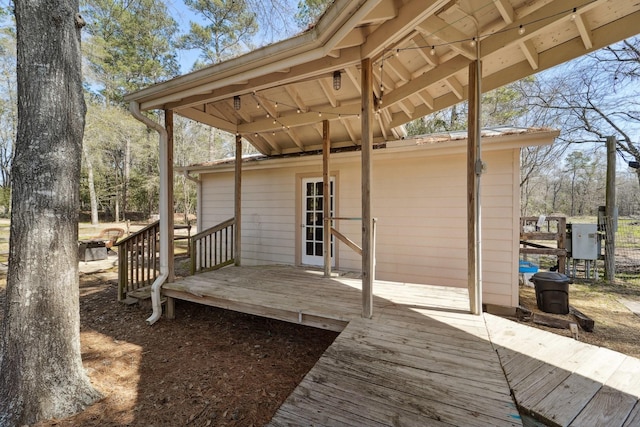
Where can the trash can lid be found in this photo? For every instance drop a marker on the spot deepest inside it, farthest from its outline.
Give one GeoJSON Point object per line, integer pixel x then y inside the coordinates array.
{"type": "Point", "coordinates": [550, 276]}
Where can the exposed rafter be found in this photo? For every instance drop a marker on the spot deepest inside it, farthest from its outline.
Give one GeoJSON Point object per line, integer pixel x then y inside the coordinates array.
{"type": "Point", "coordinates": [416, 79]}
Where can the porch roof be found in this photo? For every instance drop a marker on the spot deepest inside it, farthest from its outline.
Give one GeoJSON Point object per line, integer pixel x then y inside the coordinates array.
{"type": "Point", "coordinates": [493, 138]}
{"type": "Point", "coordinates": [421, 50]}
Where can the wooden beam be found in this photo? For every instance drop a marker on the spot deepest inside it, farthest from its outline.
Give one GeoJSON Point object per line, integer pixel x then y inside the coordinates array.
{"type": "Point", "coordinates": [354, 76]}
{"type": "Point", "coordinates": [168, 124]}
{"type": "Point", "coordinates": [326, 197]}
{"type": "Point", "coordinates": [535, 24]}
{"type": "Point", "coordinates": [426, 98]}
{"type": "Point", "coordinates": [455, 86]}
{"type": "Point", "coordinates": [474, 249]}
{"type": "Point", "coordinates": [220, 90]}
{"type": "Point", "coordinates": [585, 32]}
{"type": "Point", "coordinates": [610, 212]}
{"type": "Point", "coordinates": [530, 53]}
{"type": "Point", "coordinates": [202, 117]}
{"type": "Point", "coordinates": [295, 97]}
{"type": "Point", "coordinates": [399, 69]}
{"type": "Point", "coordinates": [237, 203]}
{"type": "Point", "coordinates": [409, 15]}
{"type": "Point", "coordinates": [422, 47]}
{"type": "Point", "coordinates": [328, 91]}
{"type": "Point", "coordinates": [347, 125]}
{"type": "Point", "coordinates": [583, 320]}
{"type": "Point", "coordinates": [302, 119]}
{"type": "Point", "coordinates": [436, 27]}
{"type": "Point", "coordinates": [432, 77]}
{"type": "Point", "coordinates": [367, 226]}
{"type": "Point", "coordinates": [505, 9]}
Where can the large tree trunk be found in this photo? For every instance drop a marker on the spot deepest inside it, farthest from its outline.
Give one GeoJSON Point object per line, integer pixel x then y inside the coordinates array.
{"type": "Point", "coordinates": [41, 373]}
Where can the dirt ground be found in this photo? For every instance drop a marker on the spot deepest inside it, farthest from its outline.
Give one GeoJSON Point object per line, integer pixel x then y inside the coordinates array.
{"type": "Point", "coordinates": [213, 367]}
{"type": "Point", "coordinates": [616, 327]}
{"type": "Point", "coordinates": [209, 367]}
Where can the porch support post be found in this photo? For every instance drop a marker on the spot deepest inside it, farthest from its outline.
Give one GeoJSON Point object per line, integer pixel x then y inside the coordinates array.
{"type": "Point", "coordinates": [474, 170]}
{"type": "Point", "coordinates": [237, 235]}
{"type": "Point", "coordinates": [326, 196]}
{"type": "Point", "coordinates": [168, 124]}
{"type": "Point", "coordinates": [610, 213]}
{"type": "Point", "coordinates": [367, 226]}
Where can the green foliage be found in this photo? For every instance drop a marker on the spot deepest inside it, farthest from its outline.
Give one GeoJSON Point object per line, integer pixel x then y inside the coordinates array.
{"type": "Point", "coordinates": [309, 11]}
{"type": "Point", "coordinates": [130, 45]}
{"type": "Point", "coordinates": [229, 24]}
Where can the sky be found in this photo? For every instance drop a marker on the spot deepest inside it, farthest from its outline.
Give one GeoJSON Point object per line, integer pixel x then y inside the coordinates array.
{"type": "Point", "coordinates": [280, 27]}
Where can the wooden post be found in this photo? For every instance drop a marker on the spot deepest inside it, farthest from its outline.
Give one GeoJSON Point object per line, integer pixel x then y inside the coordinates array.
{"type": "Point", "coordinates": [237, 235]}
{"type": "Point", "coordinates": [326, 196]}
{"type": "Point", "coordinates": [610, 213]}
{"type": "Point", "coordinates": [168, 124]}
{"type": "Point", "coordinates": [367, 235]}
{"type": "Point", "coordinates": [474, 170]}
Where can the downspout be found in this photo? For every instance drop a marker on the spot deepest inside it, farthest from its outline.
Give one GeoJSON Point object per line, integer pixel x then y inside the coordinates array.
{"type": "Point", "coordinates": [156, 304]}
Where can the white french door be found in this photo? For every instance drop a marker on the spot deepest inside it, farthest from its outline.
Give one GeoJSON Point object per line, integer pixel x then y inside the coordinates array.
{"type": "Point", "coordinates": [313, 223]}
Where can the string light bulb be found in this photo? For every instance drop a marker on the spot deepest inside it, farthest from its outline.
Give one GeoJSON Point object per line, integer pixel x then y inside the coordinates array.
{"type": "Point", "coordinates": [433, 50]}
{"type": "Point", "coordinates": [574, 14]}
{"type": "Point", "coordinates": [397, 52]}
{"type": "Point", "coordinates": [521, 30]}
{"type": "Point", "coordinates": [473, 42]}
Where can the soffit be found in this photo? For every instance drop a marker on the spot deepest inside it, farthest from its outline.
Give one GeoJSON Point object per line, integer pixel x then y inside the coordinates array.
{"type": "Point", "coordinates": [420, 50]}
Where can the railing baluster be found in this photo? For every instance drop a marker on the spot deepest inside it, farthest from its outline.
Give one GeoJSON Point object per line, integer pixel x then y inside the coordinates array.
{"type": "Point", "coordinates": [212, 248]}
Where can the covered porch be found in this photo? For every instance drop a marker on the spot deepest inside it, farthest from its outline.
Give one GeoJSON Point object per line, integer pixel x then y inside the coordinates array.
{"type": "Point", "coordinates": [306, 296]}
{"type": "Point", "coordinates": [422, 359]}
{"type": "Point", "coordinates": [353, 80]}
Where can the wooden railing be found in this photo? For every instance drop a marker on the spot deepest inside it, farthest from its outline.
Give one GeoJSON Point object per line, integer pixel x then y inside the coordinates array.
{"type": "Point", "coordinates": [551, 228]}
{"type": "Point", "coordinates": [213, 248]}
{"type": "Point", "coordinates": [137, 260]}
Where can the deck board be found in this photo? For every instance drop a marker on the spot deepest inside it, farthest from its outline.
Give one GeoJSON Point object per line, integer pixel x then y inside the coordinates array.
{"type": "Point", "coordinates": [566, 382]}
{"type": "Point", "coordinates": [423, 359]}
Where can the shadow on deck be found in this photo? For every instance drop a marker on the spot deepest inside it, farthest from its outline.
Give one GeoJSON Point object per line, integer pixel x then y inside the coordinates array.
{"type": "Point", "coordinates": [423, 359]}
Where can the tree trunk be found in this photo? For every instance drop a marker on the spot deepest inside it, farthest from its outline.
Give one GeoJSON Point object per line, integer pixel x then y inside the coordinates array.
{"type": "Point", "coordinates": [126, 178]}
{"type": "Point", "coordinates": [93, 197]}
{"type": "Point", "coordinates": [41, 373]}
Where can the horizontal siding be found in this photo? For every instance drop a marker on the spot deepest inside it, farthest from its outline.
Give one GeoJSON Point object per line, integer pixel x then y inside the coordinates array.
{"type": "Point", "coordinates": [420, 204]}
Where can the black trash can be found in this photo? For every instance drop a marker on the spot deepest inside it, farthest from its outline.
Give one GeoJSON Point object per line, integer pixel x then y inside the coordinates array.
{"type": "Point", "coordinates": [552, 292]}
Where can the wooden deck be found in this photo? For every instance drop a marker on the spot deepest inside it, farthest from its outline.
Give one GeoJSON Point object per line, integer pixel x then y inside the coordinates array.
{"type": "Point", "coordinates": [422, 360]}
{"type": "Point", "coordinates": [565, 382]}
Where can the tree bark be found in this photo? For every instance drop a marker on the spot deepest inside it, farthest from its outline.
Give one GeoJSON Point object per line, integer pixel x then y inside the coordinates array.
{"type": "Point", "coordinates": [41, 373]}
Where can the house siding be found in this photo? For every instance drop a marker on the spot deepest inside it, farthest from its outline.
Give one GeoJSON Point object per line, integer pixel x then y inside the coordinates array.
{"type": "Point", "coordinates": [419, 199]}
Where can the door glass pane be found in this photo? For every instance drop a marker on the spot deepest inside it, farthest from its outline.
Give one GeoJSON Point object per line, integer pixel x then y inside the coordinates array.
{"type": "Point", "coordinates": [319, 249]}
{"type": "Point", "coordinates": [309, 248]}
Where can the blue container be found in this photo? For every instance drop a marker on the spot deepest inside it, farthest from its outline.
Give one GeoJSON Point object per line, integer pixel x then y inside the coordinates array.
{"type": "Point", "coordinates": [527, 267]}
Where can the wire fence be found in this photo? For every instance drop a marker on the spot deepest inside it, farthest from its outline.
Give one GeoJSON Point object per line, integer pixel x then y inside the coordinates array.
{"type": "Point", "coordinates": [628, 250]}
